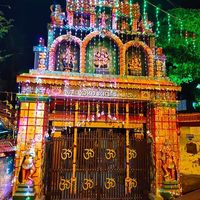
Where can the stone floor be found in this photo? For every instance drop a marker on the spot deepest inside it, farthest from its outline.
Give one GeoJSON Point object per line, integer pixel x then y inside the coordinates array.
{"type": "Point", "coordinates": [195, 195]}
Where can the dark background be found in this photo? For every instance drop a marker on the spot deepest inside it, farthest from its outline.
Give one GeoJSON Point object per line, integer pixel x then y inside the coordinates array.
{"type": "Point", "coordinates": [30, 22]}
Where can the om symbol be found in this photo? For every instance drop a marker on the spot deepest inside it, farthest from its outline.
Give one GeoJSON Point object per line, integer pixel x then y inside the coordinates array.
{"type": "Point", "coordinates": [64, 184]}
{"type": "Point", "coordinates": [110, 154]}
{"type": "Point", "coordinates": [110, 183]}
{"type": "Point", "coordinates": [87, 184]}
{"type": "Point", "coordinates": [89, 153]}
{"type": "Point", "coordinates": [132, 154]}
{"type": "Point", "coordinates": [131, 183]}
{"type": "Point", "coordinates": [66, 153]}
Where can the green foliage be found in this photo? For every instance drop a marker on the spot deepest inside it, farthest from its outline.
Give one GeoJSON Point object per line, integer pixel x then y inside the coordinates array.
{"type": "Point", "coordinates": [5, 25]}
{"type": "Point", "coordinates": [183, 55]}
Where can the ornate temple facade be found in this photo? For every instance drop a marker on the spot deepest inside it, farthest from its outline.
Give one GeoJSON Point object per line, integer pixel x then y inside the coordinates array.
{"type": "Point", "coordinates": [97, 114]}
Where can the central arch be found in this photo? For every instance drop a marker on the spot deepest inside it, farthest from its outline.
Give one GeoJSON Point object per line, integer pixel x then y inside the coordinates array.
{"type": "Point", "coordinates": [108, 34]}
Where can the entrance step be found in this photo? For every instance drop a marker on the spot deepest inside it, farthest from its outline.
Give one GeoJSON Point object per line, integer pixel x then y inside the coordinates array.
{"type": "Point", "coordinates": [24, 192]}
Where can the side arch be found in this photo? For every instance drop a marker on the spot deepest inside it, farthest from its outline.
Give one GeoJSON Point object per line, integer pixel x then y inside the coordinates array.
{"type": "Point", "coordinates": [148, 51]}
{"type": "Point", "coordinates": [108, 34]}
{"type": "Point", "coordinates": [57, 41]}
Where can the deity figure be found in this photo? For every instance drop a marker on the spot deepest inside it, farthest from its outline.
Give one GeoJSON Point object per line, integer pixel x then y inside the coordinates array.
{"type": "Point", "coordinates": [134, 65]}
{"type": "Point", "coordinates": [28, 164]}
{"type": "Point", "coordinates": [57, 16]}
{"type": "Point", "coordinates": [101, 58]}
{"type": "Point", "coordinates": [68, 60]}
{"type": "Point", "coordinates": [103, 18]}
{"type": "Point", "coordinates": [160, 63]}
{"type": "Point", "coordinates": [168, 163]}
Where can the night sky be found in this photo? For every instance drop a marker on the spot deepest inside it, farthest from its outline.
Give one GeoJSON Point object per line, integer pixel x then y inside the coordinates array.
{"type": "Point", "coordinates": [30, 22]}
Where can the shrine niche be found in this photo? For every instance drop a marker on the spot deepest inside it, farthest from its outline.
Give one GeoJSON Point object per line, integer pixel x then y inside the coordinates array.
{"type": "Point", "coordinates": [101, 59]}
{"type": "Point", "coordinates": [68, 57]}
{"type": "Point", "coordinates": [123, 24]}
{"type": "Point", "coordinates": [103, 17]}
{"type": "Point", "coordinates": [136, 62]}
{"type": "Point", "coordinates": [81, 20]}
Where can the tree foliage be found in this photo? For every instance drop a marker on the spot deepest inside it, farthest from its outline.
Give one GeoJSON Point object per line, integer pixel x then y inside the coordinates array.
{"type": "Point", "coordinates": [182, 51]}
{"type": "Point", "coordinates": [5, 25]}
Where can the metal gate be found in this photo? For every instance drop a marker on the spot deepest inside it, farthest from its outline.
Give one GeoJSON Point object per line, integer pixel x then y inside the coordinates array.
{"type": "Point", "coordinates": [101, 164]}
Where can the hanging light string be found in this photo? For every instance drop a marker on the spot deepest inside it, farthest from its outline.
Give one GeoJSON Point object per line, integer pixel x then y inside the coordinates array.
{"type": "Point", "coordinates": [169, 27]}
{"type": "Point", "coordinates": [145, 13]}
{"type": "Point", "coordinates": [169, 20]}
{"type": "Point", "coordinates": [157, 22]}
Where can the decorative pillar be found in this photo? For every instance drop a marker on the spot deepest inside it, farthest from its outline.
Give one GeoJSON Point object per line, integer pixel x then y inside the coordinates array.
{"type": "Point", "coordinates": [92, 20]}
{"type": "Point", "coordinates": [32, 127]}
{"type": "Point", "coordinates": [73, 180]}
{"type": "Point", "coordinates": [114, 19]}
{"type": "Point", "coordinates": [70, 18]}
{"type": "Point", "coordinates": [166, 149]}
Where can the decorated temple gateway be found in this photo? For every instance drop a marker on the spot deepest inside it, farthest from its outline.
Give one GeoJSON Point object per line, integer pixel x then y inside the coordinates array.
{"type": "Point", "coordinates": [97, 113]}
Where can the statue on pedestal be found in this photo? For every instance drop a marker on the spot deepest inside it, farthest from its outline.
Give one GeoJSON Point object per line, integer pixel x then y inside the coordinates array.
{"type": "Point", "coordinates": [28, 163]}
{"type": "Point", "coordinates": [168, 164]}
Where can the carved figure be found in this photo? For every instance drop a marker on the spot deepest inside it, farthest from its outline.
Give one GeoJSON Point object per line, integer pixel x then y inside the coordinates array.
{"type": "Point", "coordinates": [28, 165]}
{"type": "Point", "coordinates": [134, 65]}
{"type": "Point", "coordinates": [103, 18]}
{"type": "Point", "coordinates": [68, 60]}
{"type": "Point", "coordinates": [101, 58]}
{"type": "Point", "coordinates": [57, 16]}
{"type": "Point", "coordinates": [168, 163]}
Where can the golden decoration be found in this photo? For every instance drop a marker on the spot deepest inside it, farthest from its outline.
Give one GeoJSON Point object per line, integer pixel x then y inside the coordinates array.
{"type": "Point", "coordinates": [132, 154]}
{"type": "Point", "coordinates": [110, 154]}
{"type": "Point", "coordinates": [110, 183]}
{"type": "Point", "coordinates": [130, 183]}
{"type": "Point", "coordinates": [64, 184]}
{"type": "Point", "coordinates": [89, 153]}
{"type": "Point", "coordinates": [87, 184]}
{"type": "Point", "coordinates": [66, 153]}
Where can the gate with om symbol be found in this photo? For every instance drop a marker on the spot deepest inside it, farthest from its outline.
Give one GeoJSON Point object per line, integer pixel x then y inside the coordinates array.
{"type": "Point", "coordinates": [105, 166]}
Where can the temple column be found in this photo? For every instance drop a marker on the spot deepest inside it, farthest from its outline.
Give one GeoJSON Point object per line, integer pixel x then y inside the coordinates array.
{"type": "Point", "coordinates": [32, 126]}
{"type": "Point", "coordinates": [166, 149]}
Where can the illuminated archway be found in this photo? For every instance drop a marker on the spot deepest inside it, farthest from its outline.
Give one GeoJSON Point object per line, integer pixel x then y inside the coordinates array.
{"type": "Point", "coordinates": [108, 34]}
{"type": "Point", "coordinates": [148, 51]}
{"type": "Point", "coordinates": [57, 41]}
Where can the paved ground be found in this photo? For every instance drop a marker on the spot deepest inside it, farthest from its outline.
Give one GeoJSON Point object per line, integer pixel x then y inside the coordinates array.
{"type": "Point", "coordinates": [190, 183]}
{"type": "Point", "coordinates": [195, 195]}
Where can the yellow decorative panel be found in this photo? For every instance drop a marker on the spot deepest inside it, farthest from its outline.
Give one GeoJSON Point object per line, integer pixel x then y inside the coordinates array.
{"type": "Point", "coordinates": [39, 129]}
{"type": "Point", "coordinates": [24, 105]}
{"type": "Point", "coordinates": [40, 106]}
{"type": "Point", "coordinates": [24, 113]}
{"type": "Point", "coordinates": [31, 130]}
{"type": "Point", "coordinates": [22, 129]}
{"type": "Point", "coordinates": [31, 121]}
{"type": "Point", "coordinates": [40, 113]}
{"type": "Point", "coordinates": [23, 121]}
{"type": "Point", "coordinates": [31, 113]}
{"type": "Point", "coordinates": [32, 106]}
{"type": "Point", "coordinates": [39, 122]}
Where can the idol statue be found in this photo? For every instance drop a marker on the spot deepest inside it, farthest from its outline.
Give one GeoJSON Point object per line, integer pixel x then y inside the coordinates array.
{"type": "Point", "coordinates": [68, 60]}
{"type": "Point", "coordinates": [28, 163]}
{"type": "Point", "coordinates": [168, 164]}
{"type": "Point", "coordinates": [57, 16]}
